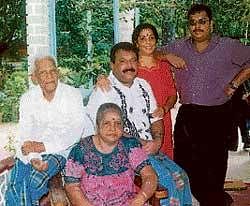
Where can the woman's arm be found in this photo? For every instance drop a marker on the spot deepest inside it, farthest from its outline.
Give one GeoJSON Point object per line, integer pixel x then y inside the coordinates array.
{"type": "Point", "coordinates": [149, 184]}
{"type": "Point", "coordinates": [170, 102]}
{"type": "Point", "coordinates": [161, 111]}
{"type": "Point", "coordinates": [75, 195]}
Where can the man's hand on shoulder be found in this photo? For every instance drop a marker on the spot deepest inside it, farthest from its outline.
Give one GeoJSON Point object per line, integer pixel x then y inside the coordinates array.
{"type": "Point", "coordinates": [176, 61]}
{"type": "Point", "coordinates": [173, 59]}
{"type": "Point", "coordinates": [103, 83]}
{"type": "Point", "coordinates": [39, 165]}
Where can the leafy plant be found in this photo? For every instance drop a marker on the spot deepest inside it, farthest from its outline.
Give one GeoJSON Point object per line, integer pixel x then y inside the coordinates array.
{"type": "Point", "coordinates": [10, 146]}
{"type": "Point", "coordinates": [14, 87]}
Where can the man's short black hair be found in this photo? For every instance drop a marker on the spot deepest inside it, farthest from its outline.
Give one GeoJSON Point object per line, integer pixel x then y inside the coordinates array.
{"type": "Point", "coordinates": [197, 8]}
{"type": "Point", "coordinates": [127, 46]}
{"type": "Point", "coordinates": [141, 27]}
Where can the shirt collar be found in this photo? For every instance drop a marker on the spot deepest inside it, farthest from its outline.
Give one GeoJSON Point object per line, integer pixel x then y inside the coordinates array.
{"type": "Point", "coordinates": [212, 44]}
{"type": "Point", "coordinates": [57, 94]}
{"type": "Point", "coordinates": [116, 82]}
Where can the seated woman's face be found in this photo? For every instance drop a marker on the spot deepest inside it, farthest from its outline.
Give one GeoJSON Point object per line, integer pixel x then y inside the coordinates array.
{"type": "Point", "coordinates": [110, 128]}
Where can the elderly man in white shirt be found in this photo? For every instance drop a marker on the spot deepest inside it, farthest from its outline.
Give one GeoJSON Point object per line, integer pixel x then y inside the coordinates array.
{"type": "Point", "coordinates": [52, 119]}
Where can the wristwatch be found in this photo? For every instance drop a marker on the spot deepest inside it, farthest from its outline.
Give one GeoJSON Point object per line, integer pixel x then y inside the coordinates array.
{"type": "Point", "coordinates": [233, 85]}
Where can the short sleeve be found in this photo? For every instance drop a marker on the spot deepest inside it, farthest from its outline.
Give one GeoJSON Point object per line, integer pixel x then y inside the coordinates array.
{"type": "Point", "coordinates": [168, 79]}
{"type": "Point", "coordinates": [74, 168]}
{"type": "Point", "coordinates": [240, 54]}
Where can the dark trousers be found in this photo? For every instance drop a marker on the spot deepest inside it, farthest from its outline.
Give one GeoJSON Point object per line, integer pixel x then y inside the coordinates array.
{"type": "Point", "coordinates": [201, 147]}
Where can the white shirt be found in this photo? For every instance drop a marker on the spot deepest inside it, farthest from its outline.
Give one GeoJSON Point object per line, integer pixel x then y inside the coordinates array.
{"type": "Point", "coordinates": [136, 105]}
{"type": "Point", "coordinates": [58, 123]}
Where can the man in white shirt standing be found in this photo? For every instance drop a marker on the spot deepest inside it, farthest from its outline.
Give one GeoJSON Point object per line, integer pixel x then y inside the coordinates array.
{"type": "Point", "coordinates": [51, 120]}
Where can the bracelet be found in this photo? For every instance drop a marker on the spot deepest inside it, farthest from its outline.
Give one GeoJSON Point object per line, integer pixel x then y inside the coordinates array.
{"type": "Point", "coordinates": [233, 85]}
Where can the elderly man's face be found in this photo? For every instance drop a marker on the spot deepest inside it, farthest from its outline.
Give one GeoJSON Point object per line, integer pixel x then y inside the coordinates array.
{"type": "Point", "coordinates": [46, 75]}
{"type": "Point", "coordinates": [200, 26]}
{"type": "Point", "coordinates": [125, 66]}
{"type": "Point", "coordinates": [110, 128]}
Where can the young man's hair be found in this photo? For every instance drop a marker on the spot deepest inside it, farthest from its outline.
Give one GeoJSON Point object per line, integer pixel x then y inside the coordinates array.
{"type": "Point", "coordinates": [141, 27]}
{"type": "Point", "coordinates": [197, 8]}
{"type": "Point", "coordinates": [122, 46]}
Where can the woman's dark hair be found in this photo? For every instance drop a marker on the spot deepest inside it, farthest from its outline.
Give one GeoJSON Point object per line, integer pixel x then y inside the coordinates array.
{"type": "Point", "coordinates": [104, 108]}
{"type": "Point", "coordinates": [197, 8]}
{"type": "Point", "coordinates": [138, 30]}
{"type": "Point", "coordinates": [127, 46]}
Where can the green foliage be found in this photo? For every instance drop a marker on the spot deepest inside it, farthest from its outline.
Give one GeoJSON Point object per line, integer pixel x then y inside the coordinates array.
{"type": "Point", "coordinates": [168, 16]}
{"type": "Point", "coordinates": [12, 24]}
{"type": "Point", "coordinates": [5, 71]}
{"type": "Point", "coordinates": [230, 17]}
{"type": "Point", "coordinates": [14, 87]}
{"type": "Point", "coordinates": [10, 146]}
{"type": "Point", "coordinates": [72, 35]}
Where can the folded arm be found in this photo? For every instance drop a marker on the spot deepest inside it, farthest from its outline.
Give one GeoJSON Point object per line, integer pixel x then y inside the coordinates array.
{"type": "Point", "coordinates": [242, 76]}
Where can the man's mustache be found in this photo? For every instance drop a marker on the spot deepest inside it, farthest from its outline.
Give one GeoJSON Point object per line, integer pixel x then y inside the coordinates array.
{"type": "Point", "coordinates": [128, 70]}
{"type": "Point", "coordinates": [199, 30]}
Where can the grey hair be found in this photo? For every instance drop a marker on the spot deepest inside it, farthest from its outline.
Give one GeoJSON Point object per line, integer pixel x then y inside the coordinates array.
{"type": "Point", "coordinates": [104, 108]}
{"type": "Point", "coordinates": [37, 59]}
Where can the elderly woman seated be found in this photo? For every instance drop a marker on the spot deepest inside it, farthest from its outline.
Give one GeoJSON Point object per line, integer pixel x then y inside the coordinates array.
{"type": "Point", "coordinates": [100, 169]}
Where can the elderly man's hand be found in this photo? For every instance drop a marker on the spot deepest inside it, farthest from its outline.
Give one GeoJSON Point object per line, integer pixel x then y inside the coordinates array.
{"type": "Point", "coordinates": [39, 165]}
{"type": "Point", "coordinates": [32, 146]}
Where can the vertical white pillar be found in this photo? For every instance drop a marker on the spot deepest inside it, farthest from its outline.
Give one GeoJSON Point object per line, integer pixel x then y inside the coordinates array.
{"type": "Point", "coordinates": [116, 7]}
{"type": "Point", "coordinates": [40, 19]}
{"type": "Point", "coordinates": [127, 25]}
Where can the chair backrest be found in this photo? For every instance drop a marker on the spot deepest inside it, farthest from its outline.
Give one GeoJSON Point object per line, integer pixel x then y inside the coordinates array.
{"type": "Point", "coordinates": [85, 94]}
